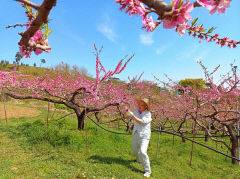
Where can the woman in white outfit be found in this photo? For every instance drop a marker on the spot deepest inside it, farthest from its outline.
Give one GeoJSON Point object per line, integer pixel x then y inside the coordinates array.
{"type": "Point", "coordinates": [141, 133]}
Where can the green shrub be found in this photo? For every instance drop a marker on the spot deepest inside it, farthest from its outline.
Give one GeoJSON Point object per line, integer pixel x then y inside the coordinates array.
{"type": "Point", "coordinates": [55, 135]}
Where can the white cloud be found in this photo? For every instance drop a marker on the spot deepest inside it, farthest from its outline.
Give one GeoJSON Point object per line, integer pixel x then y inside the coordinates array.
{"type": "Point", "coordinates": [160, 50]}
{"type": "Point", "coordinates": [107, 31]}
{"type": "Point", "coordinates": [106, 27]}
{"type": "Point", "coordinates": [195, 53]}
{"type": "Point", "coordinates": [146, 39]}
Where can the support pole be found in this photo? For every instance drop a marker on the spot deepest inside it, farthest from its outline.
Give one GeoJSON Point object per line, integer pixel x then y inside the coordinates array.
{"type": "Point", "coordinates": [194, 133]}
{"type": "Point", "coordinates": [4, 106]}
{"type": "Point", "coordinates": [48, 113]}
{"type": "Point", "coordinates": [86, 132]}
{"type": "Point", "coordinates": [173, 141]}
{"type": "Point", "coordinates": [235, 68]}
{"type": "Point", "coordinates": [51, 118]}
{"type": "Point", "coordinates": [158, 143]}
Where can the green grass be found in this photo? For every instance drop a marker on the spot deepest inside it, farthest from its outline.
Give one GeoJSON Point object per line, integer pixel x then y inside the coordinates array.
{"type": "Point", "coordinates": [29, 150]}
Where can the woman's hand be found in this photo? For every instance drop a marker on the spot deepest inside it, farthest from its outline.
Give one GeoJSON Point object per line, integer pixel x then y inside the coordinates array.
{"type": "Point", "coordinates": [128, 112]}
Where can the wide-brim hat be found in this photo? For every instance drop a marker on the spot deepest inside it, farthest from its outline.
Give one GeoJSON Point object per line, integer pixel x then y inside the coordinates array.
{"type": "Point", "coordinates": [146, 101]}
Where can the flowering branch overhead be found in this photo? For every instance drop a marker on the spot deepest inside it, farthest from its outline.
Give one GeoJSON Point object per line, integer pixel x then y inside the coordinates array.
{"type": "Point", "coordinates": [176, 15]}
{"type": "Point", "coordinates": [33, 39]}
{"type": "Point", "coordinates": [29, 3]}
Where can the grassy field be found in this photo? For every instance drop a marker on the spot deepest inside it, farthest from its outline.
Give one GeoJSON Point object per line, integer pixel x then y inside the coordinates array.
{"type": "Point", "coordinates": [29, 150]}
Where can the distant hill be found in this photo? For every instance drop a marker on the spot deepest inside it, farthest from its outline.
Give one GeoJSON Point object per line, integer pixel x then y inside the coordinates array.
{"type": "Point", "coordinates": [41, 71]}
{"type": "Point", "coordinates": [28, 70]}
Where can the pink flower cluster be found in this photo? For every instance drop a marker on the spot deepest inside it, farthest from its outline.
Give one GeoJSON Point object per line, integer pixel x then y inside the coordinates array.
{"type": "Point", "coordinates": [38, 38]}
{"type": "Point", "coordinates": [107, 74]}
{"type": "Point", "coordinates": [215, 5]}
{"type": "Point", "coordinates": [200, 32]}
{"type": "Point", "coordinates": [135, 7]}
{"type": "Point", "coordinates": [180, 16]}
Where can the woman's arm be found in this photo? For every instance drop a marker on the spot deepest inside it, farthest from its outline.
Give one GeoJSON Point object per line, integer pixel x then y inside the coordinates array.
{"type": "Point", "coordinates": [130, 113]}
{"type": "Point", "coordinates": [135, 118]}
{"type": "Point", "coordinates": [146, 118]}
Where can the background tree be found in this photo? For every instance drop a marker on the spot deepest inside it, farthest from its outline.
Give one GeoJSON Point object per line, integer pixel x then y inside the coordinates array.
{"type": "Point", "coordinates": [194, 83]}
{"type": "Point", "coordinates": [212, 110]}
{"type": "Point", "coordinates": [43, 61]}
{"type": "Point", "coordinates": [74, 91]}
{"type": "Point", "coordinates": [18, 58]}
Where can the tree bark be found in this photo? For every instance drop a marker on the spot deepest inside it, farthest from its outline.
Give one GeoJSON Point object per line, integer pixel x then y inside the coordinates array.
{"type": "Point", "coordinates": [42, 17]}
{"type": "Point", "coordinates": [206, 136]}
{"type": "Point", "coordinates": [129, 126]}
{"type": "Point", "coordinates": [160, 6]}
{"type": "Point", "coordinates": [183, 139]}
{"type": "Point", "coordinates": [234, 150]}
{"type": "Point", "coordinates": [80, 117]}
{"type": "Point", "coordinates": [234, 141]}
{"type": "Point", "coordinates": [96, 116]}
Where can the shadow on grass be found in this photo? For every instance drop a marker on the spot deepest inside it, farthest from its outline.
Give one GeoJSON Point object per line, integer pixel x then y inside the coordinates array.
{"type": "Point", "coordinates": [111, 160]}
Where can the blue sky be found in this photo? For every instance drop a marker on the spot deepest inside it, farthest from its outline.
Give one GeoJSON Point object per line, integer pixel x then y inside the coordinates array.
{"type": "Point", "coordinates": [77, 25]}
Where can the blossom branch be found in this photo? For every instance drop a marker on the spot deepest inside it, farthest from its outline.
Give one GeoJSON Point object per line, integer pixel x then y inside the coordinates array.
{"type": "Point", "coordinates": [42, 47]}
{"type": "Point", "coordinates": [32, 97]}
{"type": "Point", "coordinates": [42, 18]}
{"type": "Point", "coordinates": [29, 3]}
{"type": "Point", "coordinates": [16, 25]}
{"type": "Point", "coordinates": [103, 107]}
{"type": "Point", "coordinates": [160, 7]}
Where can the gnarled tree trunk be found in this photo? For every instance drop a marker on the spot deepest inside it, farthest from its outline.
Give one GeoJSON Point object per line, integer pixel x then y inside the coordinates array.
{"type": "Point", "coordinates": [234, 140]}
{"type": "Point", "coordinates": [234, 150]}
{"type": "Point", "coordinates": [80, 117]}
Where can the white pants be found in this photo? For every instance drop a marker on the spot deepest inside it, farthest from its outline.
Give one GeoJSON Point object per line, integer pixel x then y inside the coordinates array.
{"type": "Point", "coordinates": [139, 147]}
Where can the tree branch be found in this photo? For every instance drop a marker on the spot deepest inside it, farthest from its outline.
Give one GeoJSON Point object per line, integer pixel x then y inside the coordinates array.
{"type": "Point", "coordinates": [32, 97]}
{"type": "Point", "coordinates": [80, 90]}
{"type": "Point", "coordinates": [162, 8]}
{"type": "Point", "coordinates": [159, 5]}
{"type": "Point", "coordinates": [210, 135]}
{"type": "Point", "coordinates": [31, 4]}
{"type": "Point", "coordinates": [42, 47]}
{"type": "Point", "coordinates": [21, 25]}
{"type": "Point", "coordinates": [105, 106]}
{"type": "Point", "coordinates": [42, 18]}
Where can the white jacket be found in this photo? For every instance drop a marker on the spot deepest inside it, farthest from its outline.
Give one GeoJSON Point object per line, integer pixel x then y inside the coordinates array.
{"type": "Point", "coordinates": [143, 129]}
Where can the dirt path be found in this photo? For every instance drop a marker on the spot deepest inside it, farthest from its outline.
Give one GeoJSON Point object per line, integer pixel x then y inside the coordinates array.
{"type": "Point", "coordinates": [17, 111]}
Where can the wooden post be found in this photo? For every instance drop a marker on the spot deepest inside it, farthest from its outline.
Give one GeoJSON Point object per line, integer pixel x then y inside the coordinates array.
{"type": "Point", "coordinates": [53, 114]}
{"type": "Point", "coordinates": [173, 141]}
{"type": "Point", "coordinates": [5, 111]}
{"type": "Point", "coordinates": [4, 106]}
{"type": "Point", "coordinates": [206, 133]}
{"type": "Point", "coordinates": [86, 133]}
{"type": "Point", "coordinates": [48, 113]}
{"type": "Point", "coordinates": [194, 130]}
{"type": "Point", "coordinates": [158, 143]}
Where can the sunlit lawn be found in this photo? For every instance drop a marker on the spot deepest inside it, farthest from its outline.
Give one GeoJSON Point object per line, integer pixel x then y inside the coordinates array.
{"type": "Point", "coordinates": [28, 150]}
